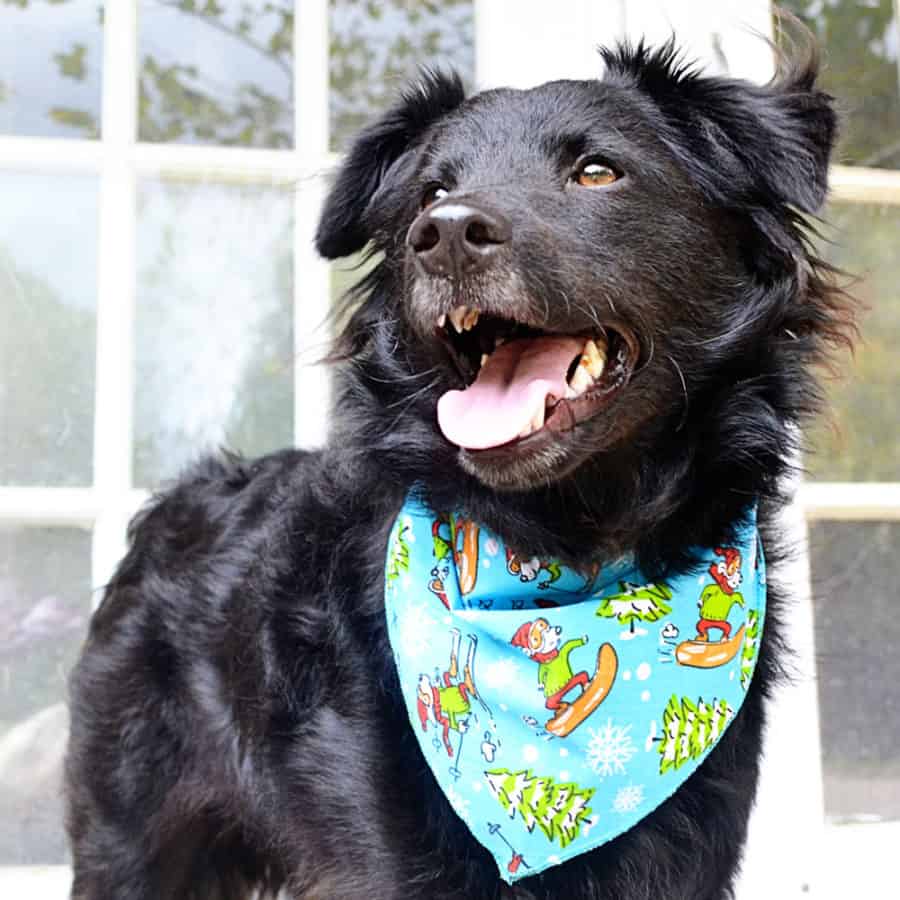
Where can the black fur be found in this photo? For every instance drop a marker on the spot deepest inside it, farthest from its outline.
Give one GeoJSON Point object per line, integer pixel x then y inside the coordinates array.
{"type": "Point", "coordinates": [236, 717]}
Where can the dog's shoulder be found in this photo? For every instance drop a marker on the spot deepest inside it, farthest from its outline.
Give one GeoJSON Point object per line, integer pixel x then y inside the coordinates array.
{"type": "Point", "coordinates": [215, 494]}
{"type": "Point", "coordinates": [200, 538]}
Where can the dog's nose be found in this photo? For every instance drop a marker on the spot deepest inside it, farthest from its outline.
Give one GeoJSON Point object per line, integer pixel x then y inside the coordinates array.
{"type": "Point", "coordinates": [455, 239]}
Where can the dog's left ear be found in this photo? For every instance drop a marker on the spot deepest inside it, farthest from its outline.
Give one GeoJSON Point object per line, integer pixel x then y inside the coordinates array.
{"type": "Point", "coordinates": [376, 150]}
{"type": "Point", "coordinates": [784, 133]}
{"type": "Point", "coordinates": [769, 142]}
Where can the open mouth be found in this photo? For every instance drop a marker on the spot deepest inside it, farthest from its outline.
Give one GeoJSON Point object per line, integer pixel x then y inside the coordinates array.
{"type": "Point", "coordinates": [521, 380]}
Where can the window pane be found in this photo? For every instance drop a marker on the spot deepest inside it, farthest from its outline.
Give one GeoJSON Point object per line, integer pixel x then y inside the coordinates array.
{"type": "Point", "coordinates": [348, 272]}
{"type": "Point", "coordinates": [44, 609]}
{"type": "Point", "coordinates": [48, 287]}
{"type": "Point", "coordinates": [214, 322]}
{"type": "Point", "coordinates": [854, 568]}
{"type": "Point", "coordinates": [50, 61]}
{"type": "Point", "coordinates": [376, 47]}
{"type": "Point", "coordinates": [863, 443]}
{"type": "Point", "coordinates": [217, 73]}
{"type": "Point", "coordinates": [861, 44]}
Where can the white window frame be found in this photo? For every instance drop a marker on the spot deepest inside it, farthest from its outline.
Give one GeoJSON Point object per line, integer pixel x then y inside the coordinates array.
{"type": "Point", "coordinates": [118, 159]}
{"type": "Point", "coordinates": [536, 42]}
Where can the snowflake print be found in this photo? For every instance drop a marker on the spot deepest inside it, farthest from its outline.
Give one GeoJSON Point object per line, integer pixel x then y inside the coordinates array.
{"type": "Point", "coordinates": [628, 798]}
{"type": "Point", "coordinates": [460, 804]}
{"type": "Point", "coordinates": [415, 631]}
{"type": "Point", "coordinates": [502, 673]}
{"type": "Point", "coordinates": [610, 748]}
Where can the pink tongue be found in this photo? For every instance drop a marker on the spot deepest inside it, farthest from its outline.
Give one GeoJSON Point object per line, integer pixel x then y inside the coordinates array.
{"type": "Point", "coordinates": [510, 389]}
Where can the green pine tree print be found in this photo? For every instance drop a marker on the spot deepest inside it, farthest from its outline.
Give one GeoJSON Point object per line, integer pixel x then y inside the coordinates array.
{"type": "Point", "coordinates": [558, 809]}
{"type": "Point", "coordinates": [690, 729]}
{"type": "Point", "coordinates": [751, 648]}
{"type": "Point", "coordinates": [398, 553]}
{"type": "Point", "coordinates": [637, 603]}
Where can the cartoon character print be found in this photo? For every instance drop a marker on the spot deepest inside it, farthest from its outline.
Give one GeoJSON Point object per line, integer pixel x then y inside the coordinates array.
{"type": "Point", "coordinates": [448, 702]}
{"type": "Point", "coordinates": [716, 602]}
{"type": "Point", "coordinates": [440, 572]}
{"type": "Point", "coordinates": [527, 570]}
{"type": "Point", "coordinates": [542, 643]}
{"type": "Point", "coordinates": [717, 599]}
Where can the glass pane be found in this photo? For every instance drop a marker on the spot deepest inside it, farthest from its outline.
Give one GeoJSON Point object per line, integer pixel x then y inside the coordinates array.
{"type": "Point", "coordinates": [345, 273]}
{"type": "Point", "coordinates": [377, 47]}
{"type": "Point", "coordinates": [217, 72]}
{"type": "Point", "coordinates": [861, 46]}
{"type": "Point", "coordinates": [862, 443]}
{"type": "Point", "coordinates": [44, 609]}
{"type": "Point", "coordinates": [48, 287]}
{"type": "Point", "coordinates": [214, 322]}
{"type": "Point", "coordinates": [854, 567]}
{"type": "Point", "coordinates": [50, 61]}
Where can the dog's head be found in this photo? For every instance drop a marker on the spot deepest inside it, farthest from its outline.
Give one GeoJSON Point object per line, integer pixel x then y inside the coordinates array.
{"type": "Point", "coordinates": [590, 279]}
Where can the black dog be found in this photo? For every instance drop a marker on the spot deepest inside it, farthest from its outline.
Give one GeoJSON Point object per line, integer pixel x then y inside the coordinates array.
{"type": "Point", "coordinates": [237, 719]}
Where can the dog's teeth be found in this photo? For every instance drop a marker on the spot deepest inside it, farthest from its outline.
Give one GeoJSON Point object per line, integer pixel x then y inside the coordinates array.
{"type": "Point", "coordinates": [457, 316]}
{"type": "Point", "coordinates": [593, 358]}
{"type": "Point", "coordinates": [536, 423]}
{"type": "Point", "coordinates": [581, 380]}
{"type": "Point", "coordinates": [442, 320]}
{"type": "Point", "coordinates": [570, 394]}
{"type": "Point", "coordinates": [471, 319]}
{"type": "Point", "coordinates": [484, 359]}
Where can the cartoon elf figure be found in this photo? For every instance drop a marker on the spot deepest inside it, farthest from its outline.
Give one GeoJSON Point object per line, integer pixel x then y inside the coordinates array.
{"type": "Point", "coordinates": [541, 643]}
{"type": "Point", "coordinates": [448, 706]}
{"type": "Point", "coordinates": [717, 599]}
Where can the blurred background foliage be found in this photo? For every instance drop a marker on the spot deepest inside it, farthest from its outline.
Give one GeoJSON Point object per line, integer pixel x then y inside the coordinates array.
{"type": "Point", "coordinates": [859, 38]}
{"type": "Point", "coordinates": [861, 440]}
{"type": "Point", "coordinates": [46, 382]}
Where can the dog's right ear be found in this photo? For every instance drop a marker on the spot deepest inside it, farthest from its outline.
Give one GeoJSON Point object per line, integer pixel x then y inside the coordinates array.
{"type": "Point", "coordinates": [377, 148]}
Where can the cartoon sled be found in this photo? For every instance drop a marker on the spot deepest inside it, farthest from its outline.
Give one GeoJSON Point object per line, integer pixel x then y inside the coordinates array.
{"type": "Point", "coordinates": [462, 544]}
{"type": "Point", "coordinates": [465, 553]}
{"type": "Point", "coordinates": [702, 654]}
{"type": "Point", "coordinates": [571, 715]}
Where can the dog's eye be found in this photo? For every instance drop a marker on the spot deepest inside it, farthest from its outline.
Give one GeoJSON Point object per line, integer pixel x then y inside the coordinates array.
{"type": "Point", "coordinates": [595, 174]}
{"type": "Point", "coordinates": [432, 194]}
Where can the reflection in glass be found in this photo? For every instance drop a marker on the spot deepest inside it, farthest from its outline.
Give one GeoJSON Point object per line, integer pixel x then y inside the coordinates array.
{"type": "Point", "coordinates": [217, 73]}
{"type": "Point", "coordinates": [50, 61]}
{"type": "Point", "coordinates": [862, 443]}
{"type": "Point", "coordinates": [854, 569]}
{"type": "Point", "coordinates": [214, 332]}
{"type": "Point", "coordinates": [861, 42]}
{"type": "Point", "coordinates": [376, 47]}
{"type": "Point", "coordinates": [48, 286]}
{"type": "Point", "coordinates": [44, 608]}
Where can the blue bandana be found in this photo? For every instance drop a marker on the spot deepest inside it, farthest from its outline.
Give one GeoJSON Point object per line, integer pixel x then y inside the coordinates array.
{"type": "Point", "coordinates": [557, 708]}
